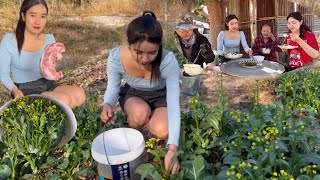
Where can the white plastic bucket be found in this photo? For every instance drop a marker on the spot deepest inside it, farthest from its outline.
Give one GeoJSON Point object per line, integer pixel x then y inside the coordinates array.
{"type": "Point", "coordinates": [190, 85]}
{"type": "Point", "coordinates": [70, 121]}
{"type": "Point", "coordinates": [118, 152]}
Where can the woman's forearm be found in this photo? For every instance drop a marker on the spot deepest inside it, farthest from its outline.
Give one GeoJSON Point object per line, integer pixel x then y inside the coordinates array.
{"type": "Point", "coordinates": [308, 49]}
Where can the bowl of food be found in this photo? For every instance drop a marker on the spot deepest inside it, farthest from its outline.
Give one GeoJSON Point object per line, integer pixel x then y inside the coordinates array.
{"type": "Point", "coordinates": [20, 121]}
{"type": "Point", "coordinates": [192, 69]}
{"type": "Point", "coordinates": [259, 59]}
{"type": "Point", "coordinates": [266, 50]}
{"type": "Point", "coordinates": [234, 55]}
{"type": "Point", "coordinates": [286, 46]}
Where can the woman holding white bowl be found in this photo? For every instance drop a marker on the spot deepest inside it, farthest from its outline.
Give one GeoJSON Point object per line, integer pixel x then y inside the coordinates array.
{"type": "Point", "coordinates": [266, 44]}
{"type": "Point", "coordinates": [304, 44]}
{"type": "Point", "coordinates": [229, 40]}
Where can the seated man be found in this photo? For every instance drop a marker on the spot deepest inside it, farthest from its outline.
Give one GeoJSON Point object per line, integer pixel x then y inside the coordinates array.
{"type": "Point", "coordinates": [194, 46]}
{"type": "Point", "coordinates": [266, 44]}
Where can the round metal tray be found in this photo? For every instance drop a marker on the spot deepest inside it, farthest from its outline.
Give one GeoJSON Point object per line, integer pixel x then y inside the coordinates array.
{"type": "Point", "coordinates": [268, 68]}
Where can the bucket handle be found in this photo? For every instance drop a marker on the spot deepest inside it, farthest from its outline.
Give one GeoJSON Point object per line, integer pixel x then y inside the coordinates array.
{"type": "Point", "coordinates": [104, 145]}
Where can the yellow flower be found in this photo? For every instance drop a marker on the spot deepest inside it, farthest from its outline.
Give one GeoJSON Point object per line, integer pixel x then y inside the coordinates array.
{"type": "Point", "coordinates": [232, 167]}
{"type": "Point", "coordinates": [267, 136]}
{"type": "Point", "coordinates": [255, 167]}
{"type": "Point", "coordinates": [275, 174]}
{"type": "Point", "coordinates": [238, 175]}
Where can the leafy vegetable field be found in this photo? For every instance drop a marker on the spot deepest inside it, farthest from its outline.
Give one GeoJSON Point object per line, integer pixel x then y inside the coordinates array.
{"type": "Point", "coordinates": [278, 141]}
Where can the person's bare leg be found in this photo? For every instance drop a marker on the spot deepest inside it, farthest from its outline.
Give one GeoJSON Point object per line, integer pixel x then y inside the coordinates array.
{"type": "Point", "coordinates": [138, 112]}
{"type": "Point", "coordinates": [73, 96]}
{"type": "Point", "coordinates": [158, 124]}
{"type": "Point", "coordinates": [60, 96]}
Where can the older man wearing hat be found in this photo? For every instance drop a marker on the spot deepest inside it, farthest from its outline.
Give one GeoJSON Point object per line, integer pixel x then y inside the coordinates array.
{"type": "Point", "coordinates": [195, 47]}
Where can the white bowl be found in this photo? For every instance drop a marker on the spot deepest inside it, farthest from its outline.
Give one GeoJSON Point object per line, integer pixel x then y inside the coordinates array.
{"type": "Point", "coordinates": [192, 69]}
{"type": "Point", "coordinates": [70, 120]}
{"type": "Point", "coordinates": [259, 59]}
{"type": "Point", "coordinates": [234, 56]}
{"type": "Point", "coordinates": [266, 50]}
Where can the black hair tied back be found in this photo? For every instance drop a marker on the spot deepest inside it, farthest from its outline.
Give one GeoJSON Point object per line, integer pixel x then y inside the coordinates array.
{"type": "Point", "coordinates": [149, 13]}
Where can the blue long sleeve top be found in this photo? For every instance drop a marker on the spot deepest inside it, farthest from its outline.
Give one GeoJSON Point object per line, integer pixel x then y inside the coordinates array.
{"type": "Point", "coordinates": [24, 67]}
{"type": "Point", "coordinates": [231, 45]}
{"type": "Point", "coordinates": [170, 76]}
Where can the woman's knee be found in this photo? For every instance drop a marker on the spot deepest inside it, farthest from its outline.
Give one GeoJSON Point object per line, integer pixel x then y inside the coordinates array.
{"type": "Point", "coordinates": [80, 95]}
{"type": "Point", "coordinates": [76, 94]}
{"type": "Point", "coordinates": [159, 130]}
{"type": "Point", "coordinates": [138, 118]}
{"type": "Point", "coordinates": [60, 96]}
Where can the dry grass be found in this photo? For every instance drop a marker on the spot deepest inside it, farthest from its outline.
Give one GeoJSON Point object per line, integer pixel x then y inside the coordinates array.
{"type": "Point", "coordinates": [84, 40]}
{"type": "Point", "coordinates": [118, 7]}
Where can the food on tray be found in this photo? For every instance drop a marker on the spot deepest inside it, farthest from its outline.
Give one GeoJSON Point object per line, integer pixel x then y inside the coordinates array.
{"type": "Point", "coordinates": [250, 63]}
{"type": "Point", "coordinates": [234, 53]}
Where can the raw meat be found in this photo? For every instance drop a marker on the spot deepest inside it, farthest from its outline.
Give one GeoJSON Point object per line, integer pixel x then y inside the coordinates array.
{"type": "Point", "coordinates": [52, 53]}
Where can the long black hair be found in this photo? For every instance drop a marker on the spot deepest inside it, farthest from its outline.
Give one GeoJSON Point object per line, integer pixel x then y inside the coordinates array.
{"type": "Point", "coordinates": [228, 19]}
{"type": "Point", "coordinates": [147, 28]}
{"type": "Point", "coordinates": [21, 26]}
{"type": "Point", "coordinates": [303, 27]}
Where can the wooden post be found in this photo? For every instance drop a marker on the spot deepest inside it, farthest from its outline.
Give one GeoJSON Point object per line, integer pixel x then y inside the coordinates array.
{"type": "Point", "coordinates": [253, 19]}
{"type": "Point", "coordinates": [276, 7]}
{"type": "Point", "coordinates": [216, 11]}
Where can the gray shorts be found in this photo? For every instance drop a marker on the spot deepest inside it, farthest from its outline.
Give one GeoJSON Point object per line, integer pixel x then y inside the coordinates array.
{"type": "Point", "coordinates": [154, 99]}
{"type": "Point", "coordinates": [36, 87]}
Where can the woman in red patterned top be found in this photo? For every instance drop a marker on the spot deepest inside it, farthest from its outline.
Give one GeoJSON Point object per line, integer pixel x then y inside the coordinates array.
{"type": "Point", "coordinates": [266, 44]}
{"type": "Point", "coordinates": [305, 46]}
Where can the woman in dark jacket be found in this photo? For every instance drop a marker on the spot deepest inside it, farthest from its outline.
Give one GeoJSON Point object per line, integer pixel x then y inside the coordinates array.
{"type": "Point", "coordinates": [195, 47]}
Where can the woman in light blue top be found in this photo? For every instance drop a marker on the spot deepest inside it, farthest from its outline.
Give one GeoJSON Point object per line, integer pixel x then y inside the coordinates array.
{"type": "Point", "coordinates": [20, 54]}
{"type": "Point", "coordinates": [150, 97]}
{"type": "Point", "coordinates": [229, 40]}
